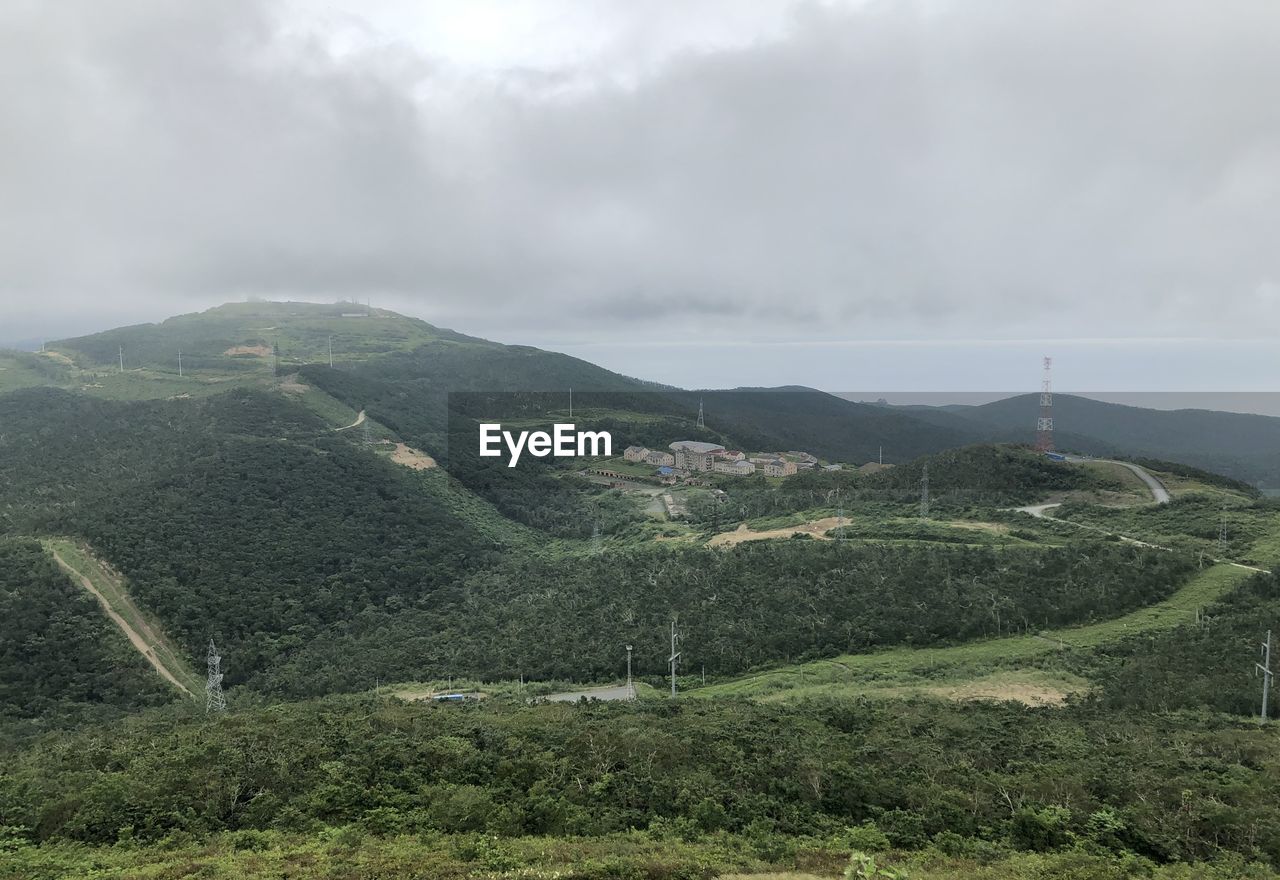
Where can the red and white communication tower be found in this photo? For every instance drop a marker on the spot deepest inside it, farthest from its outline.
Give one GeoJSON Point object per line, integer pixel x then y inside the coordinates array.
{"type": "Point", "coordinates": [1044, 425]}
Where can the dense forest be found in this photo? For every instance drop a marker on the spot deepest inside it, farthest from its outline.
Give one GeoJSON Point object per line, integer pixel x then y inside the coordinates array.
{"type": "Point", "coordinates": [980, 778]}
{"type": "Point", "coordinates": [972, 477]}
{"type": "Point", "coordinates": [61, 660]}
{"type": "Point", "coordinates": [1208, 664]}
{"type": "Point", "coordinates": [753, 605]}
{"type": "Point", "coordinates": [242, 517]}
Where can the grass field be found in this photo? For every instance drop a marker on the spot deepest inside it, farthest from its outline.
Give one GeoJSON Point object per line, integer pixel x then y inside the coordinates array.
{"type": "Point", "coordinates": [1014, 663]}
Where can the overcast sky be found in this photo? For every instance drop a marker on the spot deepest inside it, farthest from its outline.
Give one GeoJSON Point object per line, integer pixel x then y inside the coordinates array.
{"type": "Point", "coordinates": [891, 195]}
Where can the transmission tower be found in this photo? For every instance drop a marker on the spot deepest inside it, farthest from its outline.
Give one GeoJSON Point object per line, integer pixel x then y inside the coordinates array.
{"type": "Point", "coordinates": [214, 699]}
{"type": "Point", "coordinates": [631, 688]}
{"type": "Point", "coordinates": [367, 432]}
{"type": "Point", "coordinates": [702, 423]}
{"type": "Point", "coordinates": [924, 492]}
{"type": "Point", "coordinates": [675, 655]}
{"type": "Point", "coordinates": [1222, 533]}
{"type": "Point", "coordinates": [1265, 668]}
{"type": "Point", "coordinates": [1044, 425]}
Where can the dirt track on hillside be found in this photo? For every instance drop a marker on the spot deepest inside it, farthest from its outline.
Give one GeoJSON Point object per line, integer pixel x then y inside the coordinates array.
{"type": "Point", "coordinates": [817, 529]}
{"type": "Point", "coordinates": [141, 642]}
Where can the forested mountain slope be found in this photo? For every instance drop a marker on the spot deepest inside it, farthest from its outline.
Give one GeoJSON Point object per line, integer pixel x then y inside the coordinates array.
{"type": "Point", "coordinates": [61, 661]}
{"type": "Point", "coordinates": [239, 516]}
{"type": "Point", "coordinates": [1237, 444]}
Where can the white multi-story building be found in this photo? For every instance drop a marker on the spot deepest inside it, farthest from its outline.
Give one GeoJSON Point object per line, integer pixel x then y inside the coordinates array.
{"type": "Point", "coordinates": [695, 456]}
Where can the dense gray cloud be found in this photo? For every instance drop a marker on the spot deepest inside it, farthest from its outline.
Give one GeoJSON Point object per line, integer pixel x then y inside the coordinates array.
{"type": "Point", "coordinates": [858, 171]}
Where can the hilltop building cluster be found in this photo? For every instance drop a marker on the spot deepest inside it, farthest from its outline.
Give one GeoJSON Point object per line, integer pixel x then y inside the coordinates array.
{"type": "Point", "coordinates": [697, 457]}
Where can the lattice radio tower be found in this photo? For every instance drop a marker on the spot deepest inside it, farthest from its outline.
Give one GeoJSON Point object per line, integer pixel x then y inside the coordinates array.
{"type": "Point", "coordinates": [702, 423]}
{"type": "Point", "coordinates": [1044, 425]}
{"type": "Point", "coordinates": [214, 699]}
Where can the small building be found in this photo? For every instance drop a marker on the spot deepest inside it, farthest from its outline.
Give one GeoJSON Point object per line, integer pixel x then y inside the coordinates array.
{"type": "Point", "coordinates": [734, 468]}
{"type": "Point", "coordinates": [658, 458]}
{"type": "Point", "coordinates": [773, 466]}
{"type": "Point", "coordinates": [635, 453]}
{"type": "Point", "coordinates": [695, 456]}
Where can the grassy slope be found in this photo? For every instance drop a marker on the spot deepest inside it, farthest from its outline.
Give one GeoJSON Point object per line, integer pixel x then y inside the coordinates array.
{"type": "Point", "coordinates": [350, 852]}
{"type": "Point", "coordinates": [1006, 663]}
{"type": "Point", "coordinates": [900, 671]}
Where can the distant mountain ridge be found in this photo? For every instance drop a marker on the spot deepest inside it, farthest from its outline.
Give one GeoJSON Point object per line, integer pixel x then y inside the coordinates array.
{"type": "Point", "coordinates": [1240, 445]}
{"type": "Point", "coordinates": [400, 367]}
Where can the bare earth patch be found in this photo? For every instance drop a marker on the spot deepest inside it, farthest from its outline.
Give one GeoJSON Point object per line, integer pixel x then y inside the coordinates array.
{"type": "Point", "coordinates": [59, 357]}
{"type": "Point", "coordinates": [290, 385]}
{"type": "Point", "coordinates": [412, 458]}
{"type": "Point", "coordinates": [999, 528]}
{"type": "Point", "coordinates": [1026, 692]}
{"type": "Point", "coordinates": [257, 350]}
{"type": "Point", "coordinates": [817, 528]}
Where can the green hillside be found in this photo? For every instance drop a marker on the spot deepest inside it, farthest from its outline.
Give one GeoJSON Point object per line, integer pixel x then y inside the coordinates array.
{"type": "Point", "coordinates": [334, 529]}
{"type": "Point", "coordinates": [1243, 446]}
{"type": "Point", "coordinates": [61, 662]}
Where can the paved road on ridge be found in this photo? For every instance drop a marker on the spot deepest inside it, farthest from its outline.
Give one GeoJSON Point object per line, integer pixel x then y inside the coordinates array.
{"type": "Point", "coordinates": [1158, 491]}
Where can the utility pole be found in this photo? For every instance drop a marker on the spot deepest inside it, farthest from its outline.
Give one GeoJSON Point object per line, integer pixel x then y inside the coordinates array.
{"type": "Point", "coordinates": [214, 699]}
{"type": "Point", "coordinates": [631, 689]}
{"type": "Point", "coordinates": [122, 358]}
{"type": "Point", "coordinates": [331, 352]}
{"type": "Point", "coordinates": [571, 404]}
{"type": "Point", "coordinates": [924, 492]}
{"type": "Point", "coordinates": [179, 363]}
{"type": "Point", "coordinates": [1265, 668]}
{"type": "Point", "coordinates": [675, 655]}
{"type": "Point", "coordinates": [882, 456]}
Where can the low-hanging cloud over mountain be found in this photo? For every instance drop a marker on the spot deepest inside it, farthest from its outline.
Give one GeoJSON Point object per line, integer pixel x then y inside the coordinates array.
{"type": "Point", "coordinates": [913, 169]}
